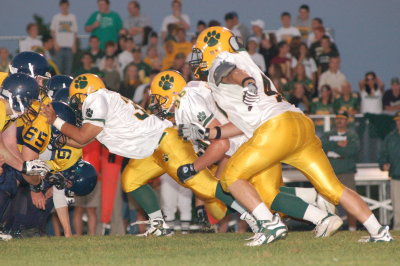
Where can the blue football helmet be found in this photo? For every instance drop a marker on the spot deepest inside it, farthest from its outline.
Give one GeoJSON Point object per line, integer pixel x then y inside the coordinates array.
{"type": "Point", "coordinates": [30, 63]}
{"type": "Point", "coordinates": [21, 91]}
{"type": "Point", "coordinates": [62, 95]}
{"type": "Point", "coordinates": [57, 83]}
{"type": "Point", "coordinates": [63, 111]}
{"type": "Point", "coordinates": [83, 177]}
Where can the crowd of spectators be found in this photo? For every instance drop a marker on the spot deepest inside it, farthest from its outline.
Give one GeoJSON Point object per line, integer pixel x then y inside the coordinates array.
{"type": "Point", "coordinates": [301, 58]}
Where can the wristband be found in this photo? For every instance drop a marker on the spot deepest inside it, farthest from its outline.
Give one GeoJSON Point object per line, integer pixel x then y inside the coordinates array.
{"type": "Point", "coordinates": [246, 79]}
{"type": "Point", "coordinates": [218, 134]}
{"type": "Point", "coordinates": [58, 123]}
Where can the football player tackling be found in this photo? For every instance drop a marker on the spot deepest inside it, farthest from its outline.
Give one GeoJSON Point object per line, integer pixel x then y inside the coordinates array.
{"type": "Point", "coordinates": [277, 131]}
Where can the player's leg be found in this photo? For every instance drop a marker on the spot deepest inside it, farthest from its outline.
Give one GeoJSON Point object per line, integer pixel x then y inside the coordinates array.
{"type": "Point", "coordinates": [135, 178]}
{"type": "Point", "coordinates": [169, 198]}
{"type": "Point", "coordinates": [312, 161]}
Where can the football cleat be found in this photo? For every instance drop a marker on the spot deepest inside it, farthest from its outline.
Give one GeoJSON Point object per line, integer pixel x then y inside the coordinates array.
{"type": "Point", "coordinates": [382, 236]}
{"type": "Point", "coordinates": [328, 226]}
{"type": "Point", "coordinates": [323, 204]}
{"type": "Point", "coordinates": [158, 227]}
{"type": "Point", "coordinates": [252, 222]}
{"type": "Point", "coordinates": [270, 231]}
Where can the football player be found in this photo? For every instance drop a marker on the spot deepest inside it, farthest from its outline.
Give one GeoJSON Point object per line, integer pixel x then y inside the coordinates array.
{"type": "Point", "coordinates": [193, 103]}
{"type": "Point", "coordinates": [17, 94]}
{"type": "Point", "coordinates": [127, 130]}
{"type": "Point", "coordinates": [277, 131]}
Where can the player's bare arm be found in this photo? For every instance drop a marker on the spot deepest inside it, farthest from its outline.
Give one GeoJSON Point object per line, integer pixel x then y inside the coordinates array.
{"type": "Point", "coordinates": [81, 135]}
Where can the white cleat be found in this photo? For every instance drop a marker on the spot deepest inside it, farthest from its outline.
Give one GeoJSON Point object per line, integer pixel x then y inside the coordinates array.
{"type": "Point", "coordinates": [323, 204]}
{"type": "Point", "coordinates": [270, 231]}
{"type": "Point", "coordinates": [158, 227]}
{"type": "Point", "coordinates": [382, 236]}
{"type": "Point", "coordinates": [252, 222]}
{"type": "Point", "coordinates": [328, 226]}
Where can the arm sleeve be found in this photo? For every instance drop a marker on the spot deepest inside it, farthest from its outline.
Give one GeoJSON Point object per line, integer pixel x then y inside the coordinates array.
{"type": "Point", "coordinates": [95, 109]}
{"type": "Point", "coordinates": [91, 19]}
{"type": "Point", "coordinates": [118, 22]}
{"type": "Point", "coordinates": [59, 199]}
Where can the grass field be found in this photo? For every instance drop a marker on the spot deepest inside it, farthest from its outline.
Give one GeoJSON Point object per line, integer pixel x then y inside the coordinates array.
{"type": "Point", "coordinates": [300, 248]}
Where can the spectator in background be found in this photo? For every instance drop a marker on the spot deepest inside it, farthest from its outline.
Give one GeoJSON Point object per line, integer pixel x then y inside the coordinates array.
{"type": "Point", "coordinates": [333, 76]}
{"type": "Point", "coordinates": [111, 74]}
{"type": "Point", "coordinates": [109, 50]}
{"type": "Point", "coordinates": [298, 97]}
{"type": "Point", "coordinates": [300, 77]}
{"type": "Point", "coordinates": [283, 60]}
{"type": "Point", "coordinates": [64, 29]}
{"type": "Point", "coordinates": [181, 20]}
{"type": "Point", "coordinates": [121, 44]}
{"type": "Point", "coordinates": [32, 41]}
{"type": "Point", "coordinates": [94, 50]}
{"type": "Point", "coordinates": [322, 106]}
{"type": "Point", "coordinates": [391, 98]}
{"type": "Point", "coordinates": [130, 81]}
{"type": "Point", "coordinates": [179, 62]}
{"type": "Point", "coordinates": [47, 49]}
{"type": "Point", "coordinates": [324, 57]}
{"type": "Point", "coordinates": [277, 76]}
{"type": "Point", "coordinates": [152, 58]}
{"type": "Point", "coordinates": [342, 146]}
{"type": "Point", "coordinates": [316, 48]}
{"type": "Point", "coordinates": [371, 91]}
{"type": "Point", "coordinates": [201, 25]}
{"type": "Point", "coordinates": [303, 21]}
{"type": "Point", "coordinates": [143, 68]}
{"type": "Point", "coordinates": [347, 101]}
{"type": "Point", "coordinates": [87, 66]}
{"type": "Point", "coordinates": [104, 23]}
{"type": "Point", "coordinates": [213, 23]}
{"type": "Point", "coordinates": [142, 92]}
{"type": "Point", "coordinates": [257, 28]}
{"type": "Point", "coordinates": [307, 61]}
{"type": "Point", "coordinates": [169, 55]}
{"type": "Point", "coordinates": [389, 161]}
{"type": "Point", "coordinates": [317, 23]}
{"type": "Point", "coordinates": [155, 42]}
{"type": "Point", "coordinates": [136, 22]}
{"type": "Point", "coordinates": [4, 59]}
{"type": "Point", "coordinates": [268, 49]}
{"type": "Point", "coordinates": [287, 31]}
{"type": "Point", "coordinates": [126, 57]}
{"type": "Point", "coordinates": [186, 72]}
{"type": "Point", "coordinates": [232, 23]}
{"type": "Point", "coordinates": [252, 48]}
{"type": "Point", "coordinates": [182, 45]}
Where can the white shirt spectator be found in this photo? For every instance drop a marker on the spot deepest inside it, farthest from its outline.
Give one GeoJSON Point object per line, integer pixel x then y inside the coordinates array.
{"type": "Point", "coordinates": [172, 19]}
{"type": "Point", "coordinates": [334, 80]}
{"type": "Point", "coordinates": [311, 38]}
{"type": "Point", "coordinates": [371, 103]}
{"type": "Point", "coordinates": [65, 28]}
{"type": "Point", "coordinates": [29, 43]}
{"type": "Point", "coordinates": [286, 34]}
{"type": "Point", "coordinates": [124, 59]}
{"type": "Point", "coordinates": [309, 65]}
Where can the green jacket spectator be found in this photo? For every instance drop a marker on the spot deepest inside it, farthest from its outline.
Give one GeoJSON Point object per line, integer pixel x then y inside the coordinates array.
{"type": "Point", "coordinates": [390, 154]}
{"type": "Point", "coordinates": [105, 24]}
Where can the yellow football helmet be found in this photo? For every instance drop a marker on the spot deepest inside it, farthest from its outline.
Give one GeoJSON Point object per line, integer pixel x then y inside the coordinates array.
{"type": "Point", "coordinates": [211, 42]}
{"type": "Point", "coordinates": [165, 89]}
{"type": "Point", "coordinates": [79, 89]}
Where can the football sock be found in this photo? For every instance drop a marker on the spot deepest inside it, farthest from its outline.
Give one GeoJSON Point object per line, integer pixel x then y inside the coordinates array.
{"type": "Point", "coordinates": [228, 199]}
{"type": "Point", "coordinates": [147, 199]}
{"type": "Point", "coordinates": [156, 214]}
{"type": "Point", "coordinates": [261, 212]}
{"type": "Point", "coordinates": [290, 205]}
{"type": "Point", "coordinates": [314, 215]}
{"type": "Point", "coordinates": [372, 225]}
{"type": "Point", "coordinates": [237, 207]}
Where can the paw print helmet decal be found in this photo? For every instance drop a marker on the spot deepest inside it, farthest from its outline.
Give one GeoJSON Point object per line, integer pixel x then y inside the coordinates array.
{"type": "Point", "coordinates": [165, 92]}
{"type": "Point", "coordinates": [79, 89]}
{"type": "Point", "coordinates": [211, 42]}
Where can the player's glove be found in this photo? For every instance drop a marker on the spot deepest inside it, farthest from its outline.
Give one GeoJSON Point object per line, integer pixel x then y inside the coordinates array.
{"type": "Point", "coordinates": [35, 167]}
{"type": "Point", "coordinates": [250, 95]}
{"type": "Point", "coordinates": [193, 131]}
{"type": "Point", "coordinates": [58, 180]}
{"type": "Point", "coordinates": [186, 172]}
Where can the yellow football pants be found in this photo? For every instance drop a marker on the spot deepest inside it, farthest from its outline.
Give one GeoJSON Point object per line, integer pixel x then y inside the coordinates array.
{"type": "Point", "coordinates": [289, 138]}
{"type": "Point", "coordinates": [172, 153]}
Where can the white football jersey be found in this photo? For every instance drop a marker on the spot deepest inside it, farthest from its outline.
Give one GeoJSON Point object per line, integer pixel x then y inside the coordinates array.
{"type": "Point", "coordinates": [197, 105]}
{"type": "Point", "coordinates": [127, 129]}
{"type": "Point", "coordinates": [230, 97]}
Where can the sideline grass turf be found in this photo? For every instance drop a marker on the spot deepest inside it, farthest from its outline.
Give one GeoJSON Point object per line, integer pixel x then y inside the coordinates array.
{"type": "Point", "coordinates": [200, 249]}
